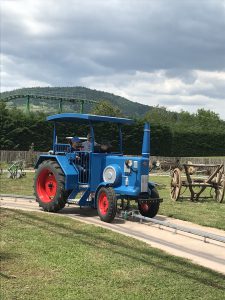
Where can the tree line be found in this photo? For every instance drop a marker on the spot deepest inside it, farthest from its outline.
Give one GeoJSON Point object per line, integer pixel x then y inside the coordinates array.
{"type": "Point", "coordinates": [172, 134]}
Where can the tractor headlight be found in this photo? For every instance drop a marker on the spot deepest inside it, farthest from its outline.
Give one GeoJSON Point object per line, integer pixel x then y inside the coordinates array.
{"type": "Point", "coordinates": [112, 174]}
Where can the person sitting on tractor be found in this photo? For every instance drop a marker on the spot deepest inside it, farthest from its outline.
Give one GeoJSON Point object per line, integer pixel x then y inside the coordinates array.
{"type": "Point", "coordinates": [76, 147]}
{"type": "Point", "coordinates": [86, 146]}
{"type": "Point", "coordinates": [75, 144]}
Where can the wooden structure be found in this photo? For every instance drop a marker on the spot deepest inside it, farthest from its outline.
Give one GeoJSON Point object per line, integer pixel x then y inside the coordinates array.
{"type": "Point", "coordinates": [198, 184]}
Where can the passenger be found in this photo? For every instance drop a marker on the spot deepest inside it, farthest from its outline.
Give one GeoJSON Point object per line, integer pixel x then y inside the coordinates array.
{"type": "Point", "coordinates": [86, 146]}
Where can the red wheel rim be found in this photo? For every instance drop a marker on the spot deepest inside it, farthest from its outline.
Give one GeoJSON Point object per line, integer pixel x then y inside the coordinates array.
{"type": "Point", "coordinates": [103, 203]}
{"type": "Point", "coordinates": [46, 186]}
{"type": "Point", "coordinates": [145, 207]}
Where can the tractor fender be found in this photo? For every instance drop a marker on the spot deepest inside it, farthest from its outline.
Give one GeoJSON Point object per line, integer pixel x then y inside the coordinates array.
{"type": "Point", "coordinates": [70, 172]}
{"type": "Point", "coordinates": [151, 185]}
{"type": "Point", "coordinates": [42, 158]}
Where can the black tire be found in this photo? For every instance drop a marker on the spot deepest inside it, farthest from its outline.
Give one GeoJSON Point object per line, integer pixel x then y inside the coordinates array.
{"type": "Point", "coordinates": [49, 186]}
{"type": "Point", "coordinates": [150, 210]}
{"type": "Point", "coordinates": [106, 204]}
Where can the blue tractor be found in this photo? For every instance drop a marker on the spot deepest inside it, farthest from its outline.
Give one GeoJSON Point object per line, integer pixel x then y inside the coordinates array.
{"type": "Point", "coordinates": [101, 179]}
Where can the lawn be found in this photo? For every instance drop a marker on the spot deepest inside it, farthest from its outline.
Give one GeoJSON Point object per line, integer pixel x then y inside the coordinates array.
{"type": "Point", "coordinates": [46, 256]}
{"type": "Point", "coordinates": [205, 212]}
{"type": "Point", "coordinates": [19, 186]}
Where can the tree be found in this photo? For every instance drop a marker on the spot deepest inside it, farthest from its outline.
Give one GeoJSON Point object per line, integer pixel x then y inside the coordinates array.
{"type": "Point", "coordinates": [208, 119]}
{"type": "Point", "coordinates": [104, 108]}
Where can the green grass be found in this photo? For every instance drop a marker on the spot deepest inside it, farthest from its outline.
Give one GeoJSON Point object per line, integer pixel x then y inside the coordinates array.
{"type": "Point", "coordinates": [4, 165]}
{"type": "Point", "coordinates": [19, 186]}
{"type": "Point", "coordinates": [205, 212]}
{"type": "Point", "coordinates": [53, 257]}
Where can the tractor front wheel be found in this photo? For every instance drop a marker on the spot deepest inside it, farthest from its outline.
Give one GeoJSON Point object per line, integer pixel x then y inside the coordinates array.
{"type": "Point", "coordinates": [106, 204]}
{"type": "Point", "coordinates": [150, 209]}
{"type": "Point", "coordinates": [49, 186]}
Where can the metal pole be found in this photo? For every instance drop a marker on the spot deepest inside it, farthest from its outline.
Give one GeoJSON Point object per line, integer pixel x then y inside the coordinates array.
{"type": "Point", "coordinates": [201, 233]}
{"type": "Point", "coordinates": [81, 106]}
{"type": "Point", "coordinates": [92, 137]}
{"type": "Point", "coordinates": [28, 104]}
{"type": "Point", "coordinates": [54, 137]}
{"type": "Point", "coordinates": [121, 139]}
{"type": "Point", "coordinates": [60, 106]}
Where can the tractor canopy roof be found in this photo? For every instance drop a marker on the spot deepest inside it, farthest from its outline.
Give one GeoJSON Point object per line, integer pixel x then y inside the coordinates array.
{"type": "Point", "coordinates": [84, 118]}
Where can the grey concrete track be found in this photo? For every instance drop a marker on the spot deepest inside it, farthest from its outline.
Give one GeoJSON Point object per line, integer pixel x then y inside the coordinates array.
{"type": "Point", "coordinates": [210, 255]}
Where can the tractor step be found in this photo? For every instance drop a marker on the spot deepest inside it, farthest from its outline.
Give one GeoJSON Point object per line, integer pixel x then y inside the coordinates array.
{"type": "Point", "coordinates": [83, 185]}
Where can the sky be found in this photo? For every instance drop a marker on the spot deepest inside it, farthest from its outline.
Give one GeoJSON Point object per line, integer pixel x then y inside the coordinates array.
{"type": "Point", "coordinates": [169, 53]}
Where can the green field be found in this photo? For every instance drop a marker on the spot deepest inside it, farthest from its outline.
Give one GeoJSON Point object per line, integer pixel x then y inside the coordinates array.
{"type": "Point", "coordinates": [20, 186]}
{"type": "Point", "coordinates": [46, 256]}
{"type": "Point", "coordinates": [205, 212]}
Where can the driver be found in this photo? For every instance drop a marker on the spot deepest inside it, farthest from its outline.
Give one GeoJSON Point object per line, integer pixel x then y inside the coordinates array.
{"type": "Point", "coordinates": [75, 144]}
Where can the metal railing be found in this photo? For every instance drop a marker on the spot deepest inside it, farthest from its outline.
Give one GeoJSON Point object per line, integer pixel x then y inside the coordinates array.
{"type": "Point", "coordinates": [61, 99]}
{"type": "Point", "coordinates": [61, 148]}
{"type": "Point", "coordinates": [204, 234]}
{"type": "Point", "coordinates": [82, 162]}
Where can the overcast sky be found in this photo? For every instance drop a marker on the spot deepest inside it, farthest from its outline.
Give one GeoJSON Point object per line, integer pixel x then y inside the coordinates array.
{"type": "Point", "coordinates": [158, 52]}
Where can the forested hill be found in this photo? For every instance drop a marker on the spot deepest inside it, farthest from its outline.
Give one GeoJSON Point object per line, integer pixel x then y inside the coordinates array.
{"type": "Point", "coordinates": [127, 107]}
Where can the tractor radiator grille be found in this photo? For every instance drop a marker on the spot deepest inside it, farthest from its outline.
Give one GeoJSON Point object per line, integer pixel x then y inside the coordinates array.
{"type": "Point", "coordinates": [144, 183]}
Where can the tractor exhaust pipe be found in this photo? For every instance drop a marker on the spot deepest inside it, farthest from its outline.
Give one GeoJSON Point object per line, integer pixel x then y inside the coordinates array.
{"type": "Point", "coordinates": [146, 141]}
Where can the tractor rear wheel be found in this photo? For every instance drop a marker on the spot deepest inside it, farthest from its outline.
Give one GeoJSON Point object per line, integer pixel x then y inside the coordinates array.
{"type": "Point", "coordinates": [150, 209]}
{"type": "Point", "coordinates": [49, 186]}
{"type": "Point", "coordinates": [106, 204]}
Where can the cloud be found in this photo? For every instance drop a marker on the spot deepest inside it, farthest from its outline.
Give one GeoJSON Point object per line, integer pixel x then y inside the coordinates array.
{"type": "Point", "coordinates": [145, 50]}
{"type": "Point", "coordinates": [205, 90]}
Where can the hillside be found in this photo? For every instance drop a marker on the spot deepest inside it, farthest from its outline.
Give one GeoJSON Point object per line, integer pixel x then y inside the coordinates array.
{"type": "Point", "coordinates": [127, 107]}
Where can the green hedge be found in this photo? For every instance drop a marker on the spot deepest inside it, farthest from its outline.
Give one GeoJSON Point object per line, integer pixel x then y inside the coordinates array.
{"type": "Point", "coordinates": [18, 131]}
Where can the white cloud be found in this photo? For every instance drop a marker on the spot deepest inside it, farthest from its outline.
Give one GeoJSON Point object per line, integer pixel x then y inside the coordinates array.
{"type": "Point", "coordinates": [157, 89]}
{"type": "Point", "coordinates": [15, 79]}
{"type": "Point", "coordinates": [160, 52]}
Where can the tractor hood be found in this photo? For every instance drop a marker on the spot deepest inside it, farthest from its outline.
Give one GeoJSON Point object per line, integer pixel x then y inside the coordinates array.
{"type": "Point", "coordinates": [132, 173]}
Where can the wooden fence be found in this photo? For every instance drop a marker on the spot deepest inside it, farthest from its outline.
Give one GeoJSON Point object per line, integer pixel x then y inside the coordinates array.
{"type": "Point", "coordinates": [28, 156]}
{"type": "Point", "coordinates": [194, 160]}
{"type": "Point", "coordinates": [31, 156]}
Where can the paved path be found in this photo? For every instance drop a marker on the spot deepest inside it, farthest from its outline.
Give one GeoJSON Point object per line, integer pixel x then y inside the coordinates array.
{"type": "Point", "coordinates": [210, 254]}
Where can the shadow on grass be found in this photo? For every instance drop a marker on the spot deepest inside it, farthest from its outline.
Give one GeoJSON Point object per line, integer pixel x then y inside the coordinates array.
{"type": "Point", "coordinates": [6, 276]}
{"type": "Point", "coordinates": [187, 270]}
{"type": "Point", "coordinates": [6, 256]}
